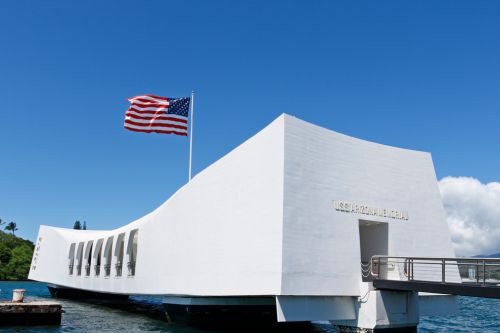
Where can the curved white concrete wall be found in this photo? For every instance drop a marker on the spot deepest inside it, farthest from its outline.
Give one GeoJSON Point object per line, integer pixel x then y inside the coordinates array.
{"type": "Point", "coordinates": [321, 246]}
{"type": "Point", "coordinates": [261, 221]}
{"type": "Point", "coordinates": [220, 234]}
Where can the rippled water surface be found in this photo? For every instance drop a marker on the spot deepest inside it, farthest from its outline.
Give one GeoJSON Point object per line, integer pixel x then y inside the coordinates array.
{"type": "Point", "coordinates": [144, 314]}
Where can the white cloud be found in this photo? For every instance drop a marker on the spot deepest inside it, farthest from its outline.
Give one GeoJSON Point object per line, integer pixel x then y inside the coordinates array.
{"type": "Point", "coordinates": [473, 214]}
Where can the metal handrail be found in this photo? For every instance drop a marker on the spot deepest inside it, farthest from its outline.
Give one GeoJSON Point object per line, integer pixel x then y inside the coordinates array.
{"type": "Point", "coordinates": [439, 258]}
{"type": "Point", "coordinates": [481, 266]}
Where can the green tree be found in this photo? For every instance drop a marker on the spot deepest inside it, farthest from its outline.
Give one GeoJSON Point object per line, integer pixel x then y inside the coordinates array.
{"type": "Point", "coordinates": [5, 254]}
{"type": "Point", "coordinates": [12, 241]}
{"type": "Point", "coordinates": [77, 225]}
{"type": "Point", "coordinates": [15, 256]}
{"type": "Point", "coordinates": [12, 227]}
{"type": "Point", "coordinates": [19, 265]}
{"type": "Point", "coordinates": [1, 222]}
{"type": "Point", "coordinates": [84, 225]}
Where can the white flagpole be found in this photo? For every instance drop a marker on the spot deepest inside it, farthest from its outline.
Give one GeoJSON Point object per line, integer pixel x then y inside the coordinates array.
{"type": "Point", "coordinates": [191, 134]}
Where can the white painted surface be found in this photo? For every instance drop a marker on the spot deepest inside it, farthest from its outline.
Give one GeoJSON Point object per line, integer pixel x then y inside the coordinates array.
{"type": "Point", "coordinates": [218, 235]}
{"type": "Point", "coordinates": [374, 239]}
{"type": "Point", "coordinates": [321, 252]}
{"type": "Point", "coordinates": [261, 222]}
{"type": "Point", "coordinates": [384, 309]}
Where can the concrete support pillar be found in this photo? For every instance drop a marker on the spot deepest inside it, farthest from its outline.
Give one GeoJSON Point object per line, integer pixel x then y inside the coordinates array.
{"type": "Point", "coordinates": [384, 311]}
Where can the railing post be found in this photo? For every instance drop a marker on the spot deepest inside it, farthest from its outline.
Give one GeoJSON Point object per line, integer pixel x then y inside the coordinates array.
{"type": "Point", "coordinates": [484, 273]}
{"type": "Point", "coordinates": [477, 271]}
{"type": "Point", "coordinates": [443, 270]}
{"type": "Point", "coordinates": [378, 275]}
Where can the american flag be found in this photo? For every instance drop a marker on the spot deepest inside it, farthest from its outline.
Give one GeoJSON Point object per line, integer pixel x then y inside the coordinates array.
{"type": "Point", "coordinates": [150, 113]}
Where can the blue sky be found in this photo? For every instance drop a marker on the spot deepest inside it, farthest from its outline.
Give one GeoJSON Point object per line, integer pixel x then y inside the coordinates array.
{"type": "Point", "coordinates": [422, 75]}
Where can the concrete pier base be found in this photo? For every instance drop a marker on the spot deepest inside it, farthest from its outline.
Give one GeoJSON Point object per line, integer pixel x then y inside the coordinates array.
{"type": "Point", "coordinates": [383, 311]}
{"type": "Point", "coordinates": [216, 310]}
{"type": "Point", "coordinates": [30, 314]}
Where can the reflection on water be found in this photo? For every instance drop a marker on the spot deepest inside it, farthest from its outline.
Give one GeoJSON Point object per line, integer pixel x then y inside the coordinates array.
{"type": "Point", "coordinates": [139, 314]}
{"type": "Point", "coordinates": [145, 314]}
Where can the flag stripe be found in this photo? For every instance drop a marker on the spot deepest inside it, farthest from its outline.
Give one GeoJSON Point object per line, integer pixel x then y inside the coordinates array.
{"type": "Point", "coordinates": [144, 114]}
{"type": "Point", "coordinates": [160, 128]}
{"type": "Point", "coordinates": [150, 108]}
{"type": "Point", "coordinates": [149, 97]}
{"type": "Point", "coordinates": [147, 113]}
{"type": "Point", "coordinates": [136, 116]}
{"type": "Point", "coordinates": [160, 123]}
{"type": "Point", "coordinates": [154, 129]}
{"type": "Point", "coordinates": [150, 104]}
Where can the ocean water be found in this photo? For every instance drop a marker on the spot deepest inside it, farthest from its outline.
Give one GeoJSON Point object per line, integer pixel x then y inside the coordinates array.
{"type": "Point", "coordinates": [144, 314]}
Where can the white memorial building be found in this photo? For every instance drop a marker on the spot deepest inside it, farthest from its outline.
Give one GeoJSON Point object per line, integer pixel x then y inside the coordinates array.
{"type": "Point", "coordinates": [285, 220]}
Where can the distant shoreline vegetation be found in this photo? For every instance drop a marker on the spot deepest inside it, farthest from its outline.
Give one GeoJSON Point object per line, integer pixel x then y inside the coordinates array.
{"type": "Point", "coordinates": [15, 257]}
{"type": "Point", "coordinates": [16, 253]}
